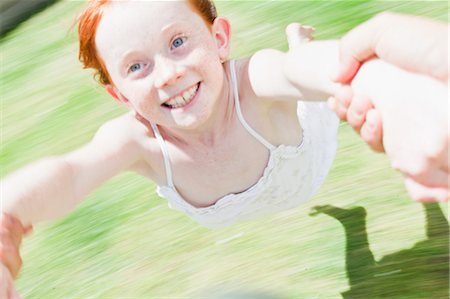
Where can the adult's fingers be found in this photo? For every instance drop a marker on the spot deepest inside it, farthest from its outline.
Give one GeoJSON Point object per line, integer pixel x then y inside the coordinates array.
{"type": "Point", "coordinates": [436, 177]}
{"type": "Point", "coordinates": [426, 166]}
{"type": "Point", "coordinates": [422, 193]}
{"type": "Point", "coordinates": [355, 47]}
{"type": "Point", "coordinates": [372, 131]}
{"type": "Point", "coordinates": [389, 37]}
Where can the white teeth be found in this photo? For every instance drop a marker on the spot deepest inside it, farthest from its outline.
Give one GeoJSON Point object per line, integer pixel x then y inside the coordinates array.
{"type": "Point", "coordinates": [181, 100]}
{"type": "Point", "coordinates": [187, 95]}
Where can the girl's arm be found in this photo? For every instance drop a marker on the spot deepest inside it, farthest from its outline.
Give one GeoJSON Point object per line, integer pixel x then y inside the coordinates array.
{"type": "Point", "coordinates": [413, 107]}
{"type": "Point", "coordinates": [52, 187]}
{"type": "Point", "coordinates": [306, 71]}
{"type": "Point", "coordinates": [303, 73]}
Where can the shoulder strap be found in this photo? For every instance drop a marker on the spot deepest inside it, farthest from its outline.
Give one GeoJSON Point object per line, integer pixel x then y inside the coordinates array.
{"type": "Point", "coordinates": [239, 112]}
{"type": "Point", "coordinates": [163, 146]}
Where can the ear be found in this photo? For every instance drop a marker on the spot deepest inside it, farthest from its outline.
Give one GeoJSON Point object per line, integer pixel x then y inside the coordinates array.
{"type": "Point", "coordinates": [221, 29]}
{"type": "Point", "coordinates": [115, 93]}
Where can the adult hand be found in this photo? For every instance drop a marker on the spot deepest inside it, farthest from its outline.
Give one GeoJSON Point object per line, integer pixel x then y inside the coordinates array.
{"type": "Point", "coordinates": [11, 234]}
{"type": "Point", "coordinates": [368, 121]}
{"type": "Point", "coordinates": [388, 36]}
{"type": "Point", "coordinates": [410, 42]}
{"type": "Point", "coordinates": [422, 157]}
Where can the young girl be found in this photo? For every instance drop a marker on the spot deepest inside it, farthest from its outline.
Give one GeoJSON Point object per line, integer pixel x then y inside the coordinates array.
{"type": "Point", "coordinates": [195, 122]}
{"type": "Point", "coordinates": [225, 141]}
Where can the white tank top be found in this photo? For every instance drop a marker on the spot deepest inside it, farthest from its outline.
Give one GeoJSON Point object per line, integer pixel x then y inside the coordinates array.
{"type": "Point", "coordinates": [293, 173]}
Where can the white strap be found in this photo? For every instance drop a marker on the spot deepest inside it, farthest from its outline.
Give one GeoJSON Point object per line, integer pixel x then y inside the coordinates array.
{"type": "Point", "coordinates": [239, 112]}
{"type": "Point", "coordinates": [163, 146]}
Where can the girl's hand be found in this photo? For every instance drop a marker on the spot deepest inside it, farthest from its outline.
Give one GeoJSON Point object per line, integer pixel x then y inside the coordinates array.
{"type": "Point", "coordinates": [298, 34]}
{"type": "Point", "coordinates": [7, 290]}
{"type": "Point", "coordinates": [11, 234]}
{"type": "Point", "coordinates": [360, 114]}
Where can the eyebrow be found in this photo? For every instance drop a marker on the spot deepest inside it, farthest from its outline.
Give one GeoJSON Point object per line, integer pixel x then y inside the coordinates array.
{"type": "Point", "coordinates": [170, 27]}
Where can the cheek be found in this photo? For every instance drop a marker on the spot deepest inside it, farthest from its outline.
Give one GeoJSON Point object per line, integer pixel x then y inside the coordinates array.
{"type": "Point", "coordinates": [142, 98]}
{"type": "Point", "coordinates": [208, 65]}
{"type": "Point", "coordinates": [205, 56]}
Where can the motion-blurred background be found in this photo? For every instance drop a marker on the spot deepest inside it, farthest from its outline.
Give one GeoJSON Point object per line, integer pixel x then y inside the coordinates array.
{"type": "Point", "coordinates": [360, 237]}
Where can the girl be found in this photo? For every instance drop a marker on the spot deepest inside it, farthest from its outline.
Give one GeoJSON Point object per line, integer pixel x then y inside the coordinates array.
{"type": "Point", "coordinates": [233, 129]}
{"type": "Point", "coordinates": [196, 120]}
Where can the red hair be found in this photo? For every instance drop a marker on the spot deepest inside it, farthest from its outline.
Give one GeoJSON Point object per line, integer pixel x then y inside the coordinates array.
{"type": "Point", "coordinates": [87, 28]}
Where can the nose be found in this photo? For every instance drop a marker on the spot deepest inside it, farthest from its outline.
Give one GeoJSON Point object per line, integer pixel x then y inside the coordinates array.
{"type": "Point", "coordinates": [167, 72]}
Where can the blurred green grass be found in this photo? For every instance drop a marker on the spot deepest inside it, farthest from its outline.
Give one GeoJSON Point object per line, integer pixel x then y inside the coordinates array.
{"type": "Point", "coordinates": [124, 241]}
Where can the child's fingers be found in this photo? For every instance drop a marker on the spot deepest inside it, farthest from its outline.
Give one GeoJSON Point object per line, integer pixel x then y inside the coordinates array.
{"type": "Point", "coordinates": [11, 232]}
{"type": "Point", "coordinates": [7, 289]}
{"type": "Point", "coordinates": [435, 178]}
{"type": "Point", "coordinates": [306, 32]}
{"type": "Point", "coordinates": [10, 257]}
{"type": "Point", "coordinates": [4, 276]}
{"type": "Point", "coordinates": [27, 230]}
{"type": "Point", "coordinates": [13, 293]}
{"type": "Point", "coordinates": [333, 105]}
{"type": "Point", "coordinates": [372, 131]}
{"type": "Point", "coordinates": [292, 35]}
{"type": "Point", "coordinates": [422, 193]}
{"type": "Point", "coordinates": [356, 114]}
{"type": "Point", "coordinates": [341, 101]}
{"type": "Point", "coordinates": [298, 34]}
{"type": "Point", "coordinates": [11, 228]}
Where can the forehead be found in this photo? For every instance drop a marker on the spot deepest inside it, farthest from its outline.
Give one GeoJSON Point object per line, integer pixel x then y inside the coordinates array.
{"type": "Point", "coordinates": [128, 22]}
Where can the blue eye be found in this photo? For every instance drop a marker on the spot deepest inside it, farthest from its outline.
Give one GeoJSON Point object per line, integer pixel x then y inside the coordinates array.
{"type": "Point", "coordinates": [178, 42]}
{"type": "Point", "coordinates": [135, 67]}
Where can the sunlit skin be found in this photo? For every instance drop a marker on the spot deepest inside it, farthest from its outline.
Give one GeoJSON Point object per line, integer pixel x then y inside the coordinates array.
{"type": "Point", "coordinates": [175, 52]}
{"type": "Point", "coordinates": [167, 54]}
{"type": "Point", "coordinates": [157, 51]}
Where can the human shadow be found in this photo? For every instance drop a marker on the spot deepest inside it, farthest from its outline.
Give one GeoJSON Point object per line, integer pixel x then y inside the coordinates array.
{"type": "Point", "coordinates": [418, 272]}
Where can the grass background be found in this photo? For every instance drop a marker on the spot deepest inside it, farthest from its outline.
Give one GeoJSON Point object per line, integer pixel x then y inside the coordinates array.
{"type": "Point", "coordinates": [124, 242]}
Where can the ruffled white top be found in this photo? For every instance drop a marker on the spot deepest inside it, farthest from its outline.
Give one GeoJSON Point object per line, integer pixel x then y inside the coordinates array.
{"type": "Point", "coordinates": [293, 173]}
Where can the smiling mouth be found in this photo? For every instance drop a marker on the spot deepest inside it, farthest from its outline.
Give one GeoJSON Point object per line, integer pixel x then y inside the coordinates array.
{"type": "Point", "coordinates": [183, 98]}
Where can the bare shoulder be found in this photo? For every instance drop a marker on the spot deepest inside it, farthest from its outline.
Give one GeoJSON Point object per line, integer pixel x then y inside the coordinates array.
{"type": "Point", "coordinates": [261, 80]}
{"type": "Point", "coordinates": [264, 72]}
{"type": "Point", "coordinates": [129, 135]}
{"type": "Point", "coordinates": [269, 113]}
{"type": "Point", "coordinates": [124, 130]}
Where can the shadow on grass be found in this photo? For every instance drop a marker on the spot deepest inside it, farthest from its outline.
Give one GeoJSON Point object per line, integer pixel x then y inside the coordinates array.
{"type": "Point", "coordinates": [419, 272]}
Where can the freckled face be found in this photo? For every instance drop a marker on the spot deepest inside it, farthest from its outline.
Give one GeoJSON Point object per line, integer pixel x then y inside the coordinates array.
{"type": "Point", "coordinates": [163, 60]}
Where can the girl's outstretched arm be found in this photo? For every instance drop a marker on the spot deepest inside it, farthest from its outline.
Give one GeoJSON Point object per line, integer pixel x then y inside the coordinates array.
{"type": "Point", "coordinates": [304, 72]}
{"type": "Point", "coordinates": [416, 139]}
{"type": "Point", "coordinates": [53, 186]}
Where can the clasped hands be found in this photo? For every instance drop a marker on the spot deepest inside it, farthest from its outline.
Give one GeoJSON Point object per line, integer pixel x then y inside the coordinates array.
{"type": "Point", "coordinates": [406, 120]}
